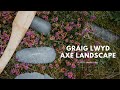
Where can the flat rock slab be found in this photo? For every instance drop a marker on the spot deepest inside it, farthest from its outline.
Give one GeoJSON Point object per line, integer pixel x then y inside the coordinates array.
{"type": "Point", "coordinates": [33, 75]}
{"type": "Point", "coordinates": [104, 34]}
{"type": "Point", "coordinates": [41, 25]}
{"type": "Point", "coordinates": [38, 55]}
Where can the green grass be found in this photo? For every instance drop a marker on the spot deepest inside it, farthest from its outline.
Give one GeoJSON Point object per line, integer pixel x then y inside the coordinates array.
{"type": "Point", "coordinates": [104, 21]}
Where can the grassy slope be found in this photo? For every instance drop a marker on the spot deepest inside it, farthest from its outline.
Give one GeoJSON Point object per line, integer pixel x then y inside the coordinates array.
{"type": "Point", "coordinates": [106, 23]}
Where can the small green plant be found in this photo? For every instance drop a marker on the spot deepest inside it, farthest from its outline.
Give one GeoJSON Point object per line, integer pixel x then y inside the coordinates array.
{"type": "Point", "coordinates": [114, 16]}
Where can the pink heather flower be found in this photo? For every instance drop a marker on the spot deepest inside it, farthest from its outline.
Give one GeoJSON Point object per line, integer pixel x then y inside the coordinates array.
{"type": "Point", "coordinates": [70, 74]}
{"type": "Point", "coordinates": [77, 43]}
{"type": "Point", "coordinates": [54, 44]}
{"type": "Point", "coordinates": [62, 25]}
{"type": "Point", "coordinates": [30, 45]}
{"type": "Point", "coordinates": [52, 38]}
{"type": "Point", "coordinates": [73, 65]}
{"type": "Point", "coordinates": [56, 34]}
{"type": "Point", "coordinates": [97, 43]}
{"type": "Point", "coordinates": [85, 13]}
{"type": "Point", "coordinates": [92, 18]}
{"type": "Point", "coordinates": [43, 67]}
{"type": "Point", "coordinates": [63, 47]}
{"type": "Point", "coordinates": [63, 35]}
{"type": "Point", "coordinates": [7, 15]}
{"type": "Point", "coordinates": [65, 74]}
{"type": "Point", "coordinates": [68, 28]}
{"type": "Point", "coordinates": [17, 72]}
{"type": "Point", "coordinates": [78, 19]}
{"type": "Point", "coordinates": [56, 65]}
{"type": "Point", "coordinates": [76, 33]}
{"type": "Point", "coordinates": [55, 19]}
{"type": "Point", "coordinates": [46, 12]}
{"type": "Point", "coordinates": [72, 24]}
{"type": "Point", "coordinates": [50, 66]}
{"type": "Point", "coordinates": [55, 62]}
{"type": "Point", "coordinates": [85, 31]}
{"type": "Point", "coordinates": [25, 67]}
{"type": "Point", "coordinates": [17, 66]}
{"type": "Point", "coordinates": [78, 25]}
{"type": "Point", "coordinates": [30, 39]}
{"type": "Point", "coordinates": [1, 49]}
{"type": "Point", "coordinates": [62, 70]}
{"type": "Point", "coordinates": [66, 40]}
{"type": "Point", "coordinates": [73, 78]}
{"type": "Point", "coordinates": [36, 40]}
{"type": "Point", "coordinates": [4, 13]}
{"type": "Point", "coordinates": [68, 63]}
{"type": "Point", "coordinates": [30, 33]}
{"type": "Point", "coordinates": [5, 36]}
{"type": "Point", "coordinates": [32, 36]}
{"type": "Point", "coordinates": [75, 60]}
{"type": "Point", "coordinates": [71, 36]}
{"type": "Point", "coordinates": [45, 17]}
{"type": "Point", "coordinates": [13, 71]}
{"type": "Point", "coordinates": [71, 41]}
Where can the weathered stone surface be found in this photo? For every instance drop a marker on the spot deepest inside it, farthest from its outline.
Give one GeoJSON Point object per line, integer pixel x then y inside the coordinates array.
{"type": "Point", "coordinates": [33, 75]}
{"type": "Point", "coordinates": [38, 55]}
{"type": "Point", "coordinates": [104, 34]}
{"type": "Point", "coordinates": [46, 76]}
{"type": "Point", "coordinates": [41, 25]}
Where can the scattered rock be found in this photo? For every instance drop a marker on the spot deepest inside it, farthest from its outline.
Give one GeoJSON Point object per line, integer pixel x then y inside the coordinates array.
{"type": "Point", "coordinates": [46, 76]}
{"type": "Point", "coordinates": [38, 55]}
{"type": "Point", "coordinates": [33, 75]}
{"type": "Point", "coordinates": [41, 25]}
{"type": "Point", "coordinates": [104, 34]}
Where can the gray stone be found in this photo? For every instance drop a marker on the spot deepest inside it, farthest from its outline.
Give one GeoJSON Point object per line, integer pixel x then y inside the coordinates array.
{"type": "Point", "coordinates": [33, 75]}
{"type": "Point", "coordinates": [46, 76]}
{"type": "Point", "coordinates": [104, 34]}
{"type": "Point", "coordinates": [41, 25]}
{"type": "Point", "coordinates": [38, 55]}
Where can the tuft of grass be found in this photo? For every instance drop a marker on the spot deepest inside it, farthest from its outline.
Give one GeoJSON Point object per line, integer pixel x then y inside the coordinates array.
{"type": "Point", "coordinates": [103, 20]}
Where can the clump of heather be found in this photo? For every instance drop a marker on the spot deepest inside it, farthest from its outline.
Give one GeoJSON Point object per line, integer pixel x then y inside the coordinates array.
{"type": "Point", "coordinates": [30, 39]}
{"type": "Point", "coordinates": [18, 68]}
